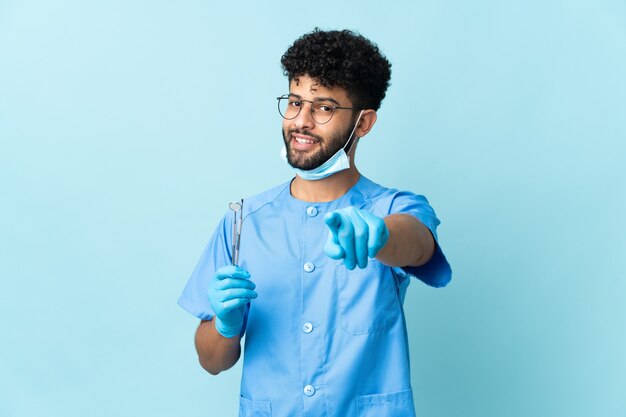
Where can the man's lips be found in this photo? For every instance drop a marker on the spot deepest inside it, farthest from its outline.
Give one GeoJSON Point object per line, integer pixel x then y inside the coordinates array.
{"type": "Point", "coordinates": [300, 138]}
{"type": "Point", "coordinates": [303, 142]}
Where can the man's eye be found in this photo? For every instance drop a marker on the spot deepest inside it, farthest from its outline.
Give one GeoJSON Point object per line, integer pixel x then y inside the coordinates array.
{"type": "Point", "coordinates": [324, 108]}
{"type": "Point", "coordinates": [294, 103]}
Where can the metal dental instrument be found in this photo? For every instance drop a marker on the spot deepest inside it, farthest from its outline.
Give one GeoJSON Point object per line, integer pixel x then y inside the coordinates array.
{"type": "Point", "coordinates": [237, 208]}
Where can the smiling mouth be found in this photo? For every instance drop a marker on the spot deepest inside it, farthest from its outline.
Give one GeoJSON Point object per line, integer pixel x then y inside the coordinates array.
{"type": "Point", "coordinates": [304, 141]}
{"type": "Point", "coordinates": [301, 141]}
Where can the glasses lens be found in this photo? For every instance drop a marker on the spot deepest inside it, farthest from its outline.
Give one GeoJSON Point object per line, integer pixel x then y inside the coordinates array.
{"type": "Point", "coordinates": [288, 107]}
{"type": "Point", "coordinates": [322, 112]}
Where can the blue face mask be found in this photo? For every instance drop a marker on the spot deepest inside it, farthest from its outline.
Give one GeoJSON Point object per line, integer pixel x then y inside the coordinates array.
{"type": "Point", "coordinates": [336, 163]}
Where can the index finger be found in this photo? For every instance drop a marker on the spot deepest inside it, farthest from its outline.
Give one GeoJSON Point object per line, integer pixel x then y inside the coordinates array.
{"type": "Point", "coordinates": [333, 221]}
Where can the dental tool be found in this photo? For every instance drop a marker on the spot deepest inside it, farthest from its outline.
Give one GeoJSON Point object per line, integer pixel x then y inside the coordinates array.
{"type": "Point", "coordinates": [237, 208]}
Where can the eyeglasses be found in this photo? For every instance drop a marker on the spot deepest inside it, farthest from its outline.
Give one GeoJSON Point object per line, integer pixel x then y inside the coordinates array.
{"type": "Point", "coordinates": [322, 111]}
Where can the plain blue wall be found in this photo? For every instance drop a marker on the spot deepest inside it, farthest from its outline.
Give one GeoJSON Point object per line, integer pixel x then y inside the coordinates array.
{"type": "Point", "coordinates": [127, 126]}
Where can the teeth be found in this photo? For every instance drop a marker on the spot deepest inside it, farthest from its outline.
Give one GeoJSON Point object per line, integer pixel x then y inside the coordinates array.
{"type": "Point", "coordinates": [300, 140]}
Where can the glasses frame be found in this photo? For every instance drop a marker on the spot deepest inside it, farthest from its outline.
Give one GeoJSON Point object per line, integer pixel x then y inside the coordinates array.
{"type": "Point", "coordinates": [286, 96]}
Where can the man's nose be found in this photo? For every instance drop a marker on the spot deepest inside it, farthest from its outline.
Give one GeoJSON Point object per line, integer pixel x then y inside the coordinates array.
{"type": "Point", "coordinates": [304, 119]}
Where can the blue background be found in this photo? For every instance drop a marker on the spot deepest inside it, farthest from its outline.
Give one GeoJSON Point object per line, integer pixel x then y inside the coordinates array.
{"type": "Point", "coordinates": [127, 126]}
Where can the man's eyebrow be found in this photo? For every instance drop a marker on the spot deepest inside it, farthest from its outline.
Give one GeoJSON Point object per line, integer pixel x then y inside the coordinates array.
{"type": "Point", "coordinates": [327, 99]}
{"type": "Point", "coordinates": [332, 100]}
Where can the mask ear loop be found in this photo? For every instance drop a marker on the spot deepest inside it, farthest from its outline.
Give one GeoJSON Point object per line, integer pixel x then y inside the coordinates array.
{"type": "Point", "coordinates": [351, 138]}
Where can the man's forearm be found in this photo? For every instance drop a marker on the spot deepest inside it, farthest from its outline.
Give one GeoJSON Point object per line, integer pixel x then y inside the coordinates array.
{"type": "Point", "coordinates": [216, 353]}
{"type": "Point", "coordinates": [410, 242]}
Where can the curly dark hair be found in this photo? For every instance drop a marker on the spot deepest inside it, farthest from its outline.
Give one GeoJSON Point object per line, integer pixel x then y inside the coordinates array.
{"type": "Point", "coordinates": [344, 59]}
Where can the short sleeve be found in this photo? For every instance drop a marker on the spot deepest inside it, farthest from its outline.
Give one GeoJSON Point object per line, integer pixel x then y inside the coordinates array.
{"type": "Point", "coordinates": [194, 297]}
{"type": "Point", "coordinates": [436, 272]}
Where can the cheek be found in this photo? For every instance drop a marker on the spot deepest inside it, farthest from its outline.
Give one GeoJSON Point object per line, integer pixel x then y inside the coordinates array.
{"type": "Point", "coordinates": [286, 126]}
{"type": "Point", "coordinates": [330, 136]}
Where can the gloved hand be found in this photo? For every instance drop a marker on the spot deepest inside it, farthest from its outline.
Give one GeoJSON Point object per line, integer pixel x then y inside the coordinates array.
{"type": "Point", "coordinates": [229, 292]}
{"type": "Point", "coordinates": [354, 235]}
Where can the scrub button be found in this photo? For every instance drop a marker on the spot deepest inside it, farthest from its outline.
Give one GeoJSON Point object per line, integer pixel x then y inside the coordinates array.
{"type": "Point", "coordinates": [309, 267]}
{"type": "Point", "coordinates": [307, 327]}
{"type": "Point", "coordinates": [311, 211]}
{"type": "Point", "coordinates": [309, 390]}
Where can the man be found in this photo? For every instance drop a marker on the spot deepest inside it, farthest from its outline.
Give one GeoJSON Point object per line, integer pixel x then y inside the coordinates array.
{"type": "Point", "coordinates": [325, 259]}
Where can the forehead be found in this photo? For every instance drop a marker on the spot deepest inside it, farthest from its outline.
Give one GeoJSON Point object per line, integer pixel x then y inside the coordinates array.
{"type": "Point", "coordinates": [310, 88]}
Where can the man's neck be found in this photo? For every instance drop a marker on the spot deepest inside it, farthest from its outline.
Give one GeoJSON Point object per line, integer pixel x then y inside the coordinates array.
{"type": "Point", "coordinates": [326, 189]}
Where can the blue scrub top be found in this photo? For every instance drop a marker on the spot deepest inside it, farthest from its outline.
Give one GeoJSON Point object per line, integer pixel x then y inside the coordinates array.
{"type": "Point", "coordinates": [320, 340]}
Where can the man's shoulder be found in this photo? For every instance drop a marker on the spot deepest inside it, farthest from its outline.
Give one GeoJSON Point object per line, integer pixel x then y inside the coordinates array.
{"type": "Point", "coordinates": [255, 202]}
{"type": "Point", "coordinates": [373, 191]}
{"type": "Point", "coordinates": [387, 200]}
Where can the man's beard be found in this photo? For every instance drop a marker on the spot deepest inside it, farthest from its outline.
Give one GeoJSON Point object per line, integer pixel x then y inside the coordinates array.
{"type": "Point", "coordinates": [327, 148]}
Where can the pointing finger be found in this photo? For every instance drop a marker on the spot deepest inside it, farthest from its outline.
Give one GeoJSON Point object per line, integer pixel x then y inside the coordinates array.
{"type": "Point", "coordinates": [346, 241]}
{"type": "Point", "coordinates": [332, 247]}
{"type": "Point", "coordinates": [333, 221]}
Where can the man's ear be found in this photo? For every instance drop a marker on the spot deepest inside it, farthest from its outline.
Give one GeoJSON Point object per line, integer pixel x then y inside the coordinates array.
{"type": "Point", "coordinates": [368, 118]}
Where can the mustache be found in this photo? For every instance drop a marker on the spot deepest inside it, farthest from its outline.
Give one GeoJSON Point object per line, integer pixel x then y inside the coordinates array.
{"type": "Point", "coordinates": [304, 132]}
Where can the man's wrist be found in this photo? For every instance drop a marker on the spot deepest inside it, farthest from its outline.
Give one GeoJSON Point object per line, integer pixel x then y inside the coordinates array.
{"type": "Point", "coordinates": [227, 331]}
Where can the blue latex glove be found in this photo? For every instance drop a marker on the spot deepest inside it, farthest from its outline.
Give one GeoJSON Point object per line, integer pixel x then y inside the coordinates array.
{"type": "Point", "coordinates": [354, 235]}
{"type": "Point", "coordinates": [229, 292]}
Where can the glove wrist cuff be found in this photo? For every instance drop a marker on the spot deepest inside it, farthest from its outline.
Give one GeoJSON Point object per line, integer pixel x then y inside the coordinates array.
{"type": "Point", "coordinates": [227, 331]}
